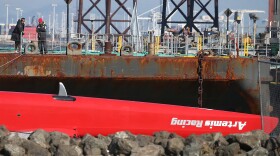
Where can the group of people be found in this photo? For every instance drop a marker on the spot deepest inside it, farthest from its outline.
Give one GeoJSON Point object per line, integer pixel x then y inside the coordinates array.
{"type": "Point", "coordinates": [41, 30]}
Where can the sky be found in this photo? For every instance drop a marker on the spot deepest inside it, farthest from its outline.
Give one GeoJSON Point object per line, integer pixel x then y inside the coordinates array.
{"type": "Point", "coordinates": [44, 7]}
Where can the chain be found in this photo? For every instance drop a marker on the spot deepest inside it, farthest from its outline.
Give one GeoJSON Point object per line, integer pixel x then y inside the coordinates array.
{"type": "Point", "coordinates": [200, 78]}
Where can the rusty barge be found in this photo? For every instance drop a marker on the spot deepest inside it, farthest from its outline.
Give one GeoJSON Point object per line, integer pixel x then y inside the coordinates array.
{"type": "Point", "coordinates": [228, 83]}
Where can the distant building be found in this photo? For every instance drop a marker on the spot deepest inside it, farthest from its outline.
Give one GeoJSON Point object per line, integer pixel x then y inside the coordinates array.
{"type": "Point", "coordinates": [2, 29]}
{"type": "Point", "coordinates": [11, 28]}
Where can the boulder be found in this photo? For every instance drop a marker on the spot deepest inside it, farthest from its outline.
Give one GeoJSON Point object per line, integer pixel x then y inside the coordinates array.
{"type": "Point", "coordinates": [57, 138]}
{"type": "Point", "coordinates": [34, 149]}
{"type": "Point", "coordinates": [40, 137]}
{"type": "Point", "coordinates": [13, 150]}
{"type": "Point", "coordinates": [149, 150]}
{"type": "Point", "coordinates": [175, 146]}
{"type": "Point", "coordinates": [69, 150]}
{"type": "Point", "coordinates": [230, 150]}
{"type": "Point", "coordinates": [94, 146]}
{"type": "Point", "coordinates": [123, 146]}
{"type": "Point", "coordinates": [144, 140]}
{"type": "Point", "coordinates": [258, 151]}
{"type": "Point", "coordinates": [4, 131]}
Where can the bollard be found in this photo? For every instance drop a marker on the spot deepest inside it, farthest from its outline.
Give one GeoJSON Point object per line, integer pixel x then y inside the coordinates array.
{"type": "Point", "coordinates": [108, 48]}
{"type": "Point", "coordinates": [151, 48]}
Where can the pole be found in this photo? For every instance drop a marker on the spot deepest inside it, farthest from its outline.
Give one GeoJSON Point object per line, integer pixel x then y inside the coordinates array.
{"type": "Point", "coordinates": [53, 30]}
{"type": "Point", "coordinates": [249, 27]}
{"type": "Point", "coordinates": [80, 17]}
{"type": "Point", "coordinates": [17, 9]}
{"type": "Point", "coordinates": [72, 23]}
{"type": "Point", "coordinates": [108, 45]}
{"type": "Point", "coordinates": [255, 27]}
{"type": "Point", "coordinates": [108, 19]}
{"type": "Point", "coordinates": [278, 53]}
{"type": "Point", "coordinates": [265, 49]}
{"type": "Point", "coordinates": [238, 37]}
{"type": "Point", "coordinates": [228, 12]}
{"type": "Point", "coordinates": [187, 45]}
{"type": "Point", "coordinates": [227, 29]}
{"type": "Point", "coordinates": [237, 44]}
{"type": "Point", "coordinates": [21, 12]}
{"type": "Point", "coordinates": [7, 20]}
{"type": "Point", "coordinates": [67, 34]}
{"type": "Point", "coordinates": [269, 29]}
{"type": "Point", "coordinates": [163, 19]}
{"type": "Point", "coordinates": [49, 22]}
{"type": "Point", "coordinates": [63, 21]}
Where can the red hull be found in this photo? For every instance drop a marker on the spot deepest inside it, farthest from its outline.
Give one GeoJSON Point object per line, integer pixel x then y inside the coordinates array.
{"type": "Point", "coordinates": [25, 112]}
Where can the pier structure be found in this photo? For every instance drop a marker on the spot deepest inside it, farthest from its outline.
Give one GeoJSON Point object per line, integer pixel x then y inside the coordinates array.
{"type": "Point", "coordinates": [186, 10]}
{"type": "Point", "coordinates": [107, 15]}
{"type": "Point", "coordinates": [184, 7]}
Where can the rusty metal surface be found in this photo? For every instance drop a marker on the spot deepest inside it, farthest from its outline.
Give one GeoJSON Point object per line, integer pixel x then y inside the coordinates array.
{"type": "Point", "coordinates": [128, 67]}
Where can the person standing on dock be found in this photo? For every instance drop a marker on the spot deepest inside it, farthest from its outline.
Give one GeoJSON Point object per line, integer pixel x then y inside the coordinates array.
{"type": "Point", "coordinates": [17, 34]}
{"type": "Point", "coordinates": [42, 36]}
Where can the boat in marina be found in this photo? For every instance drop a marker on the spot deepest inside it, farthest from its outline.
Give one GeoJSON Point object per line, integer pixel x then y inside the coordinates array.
{"type": "Point", "coordinates": [78, 116]}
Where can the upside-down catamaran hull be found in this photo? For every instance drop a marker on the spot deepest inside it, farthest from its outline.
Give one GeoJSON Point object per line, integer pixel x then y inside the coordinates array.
{"type": "Point", "coordinates": [77, 116]}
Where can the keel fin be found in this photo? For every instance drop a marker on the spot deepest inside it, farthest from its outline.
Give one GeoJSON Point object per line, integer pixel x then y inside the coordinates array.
{"type": "Point", "coordinates": [62, 90]}
{"type": "Point", "coordinates": [62, 94]}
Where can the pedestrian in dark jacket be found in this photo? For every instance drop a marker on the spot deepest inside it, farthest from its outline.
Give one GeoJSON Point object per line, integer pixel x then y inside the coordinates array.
{"type": "Point", "coordinates": [42, 36]}
{"type": "Point", "coordinates": [17, 34]}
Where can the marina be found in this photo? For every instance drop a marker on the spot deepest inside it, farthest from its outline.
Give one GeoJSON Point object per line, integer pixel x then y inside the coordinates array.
{"type": "Point", "coordinates": [185, 53]}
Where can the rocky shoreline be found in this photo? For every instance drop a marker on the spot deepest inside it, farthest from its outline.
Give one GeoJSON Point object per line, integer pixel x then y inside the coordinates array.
{"type": "Point", "coordinates": [40, 142]}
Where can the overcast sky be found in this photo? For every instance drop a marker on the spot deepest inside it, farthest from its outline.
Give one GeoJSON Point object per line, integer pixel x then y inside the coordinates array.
{"type": "Point", "coordinates": [44, 7]}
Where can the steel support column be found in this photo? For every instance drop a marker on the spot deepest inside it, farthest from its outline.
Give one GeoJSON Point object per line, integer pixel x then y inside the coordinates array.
{"type": "Point", "coordinates": [163, 21]}
{"type": "Point", "coordinates": [108, 17]}
{"type": "Point", "coordinates": [216, 18]}
{"type": "Point", "coordinates": [80, 16]}
{"type": "Point", "coordinates": [190, 14]}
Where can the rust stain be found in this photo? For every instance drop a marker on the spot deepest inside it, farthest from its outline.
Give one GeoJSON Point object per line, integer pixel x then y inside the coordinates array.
{"type": "Point", "coordinates": [144, 61]}
{"type": "Point", "coordinates": [35, 71]}
{"type": "Point", "coordinates": [127, 59]}
{"type": "Point", "coordinates": [211, 69]}
{"type": "Point", "coordinates": [208, 67]}
{"type": "Point", "coordinates": [188, 66]}
{"type": "Point", "coordinates": [112, 73]}
{"type": "Point", "coordinates": [245, 61]}
{"type": "Point", "coordinates": [60, 74]}
{"type": "Point", "coordinates": [230, 72]}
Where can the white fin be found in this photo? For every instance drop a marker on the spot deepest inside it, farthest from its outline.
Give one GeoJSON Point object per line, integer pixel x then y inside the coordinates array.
{"type": "Point", "coordinates": [62, 90]}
